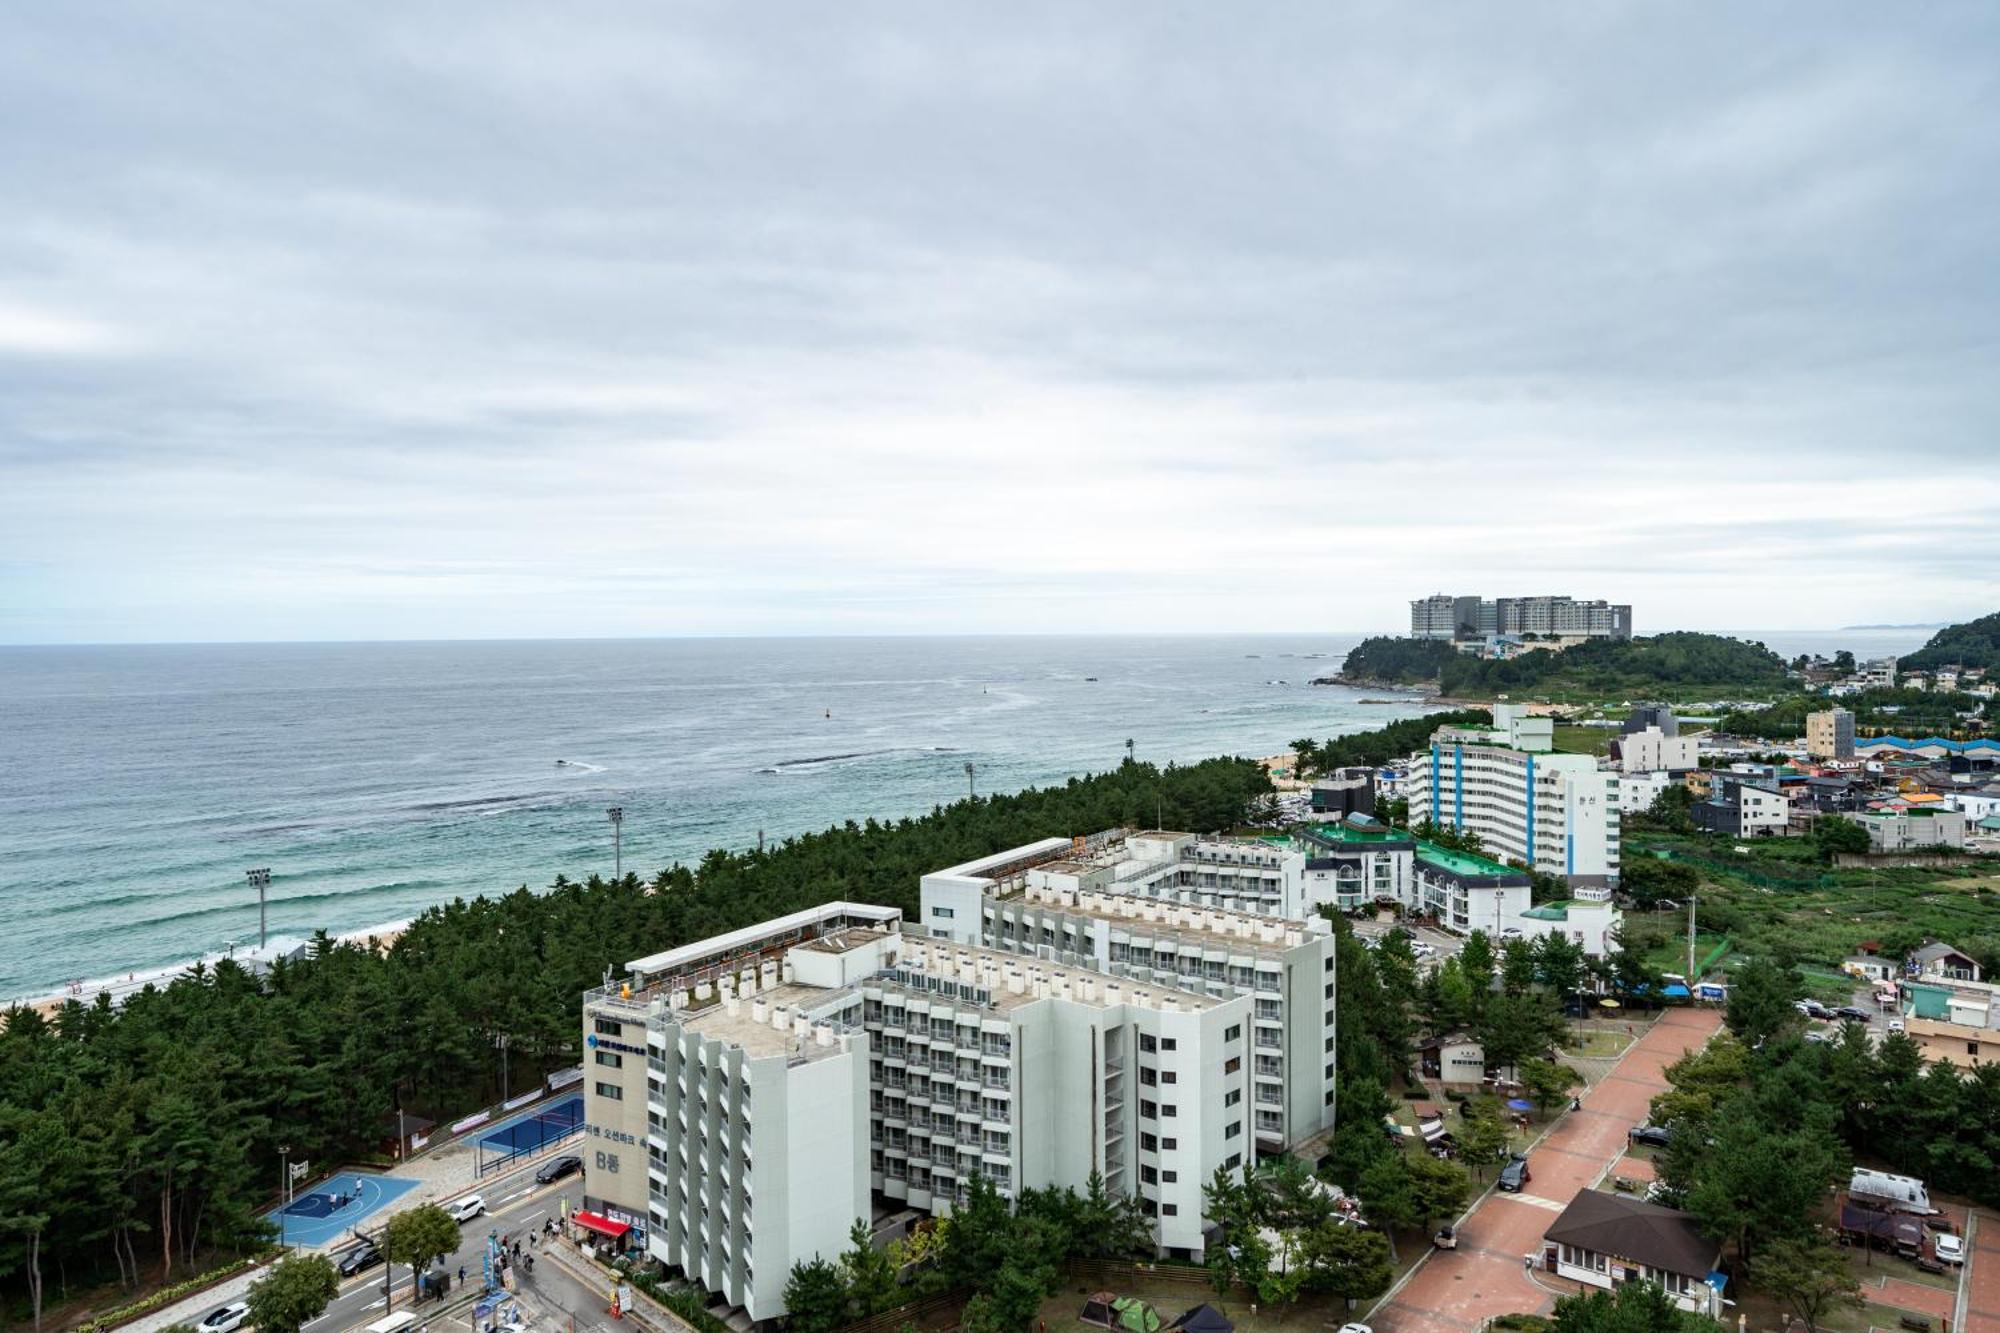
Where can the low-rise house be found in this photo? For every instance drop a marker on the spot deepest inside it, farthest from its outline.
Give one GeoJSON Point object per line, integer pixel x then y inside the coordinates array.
{"type": "Point", "coordinates": [1742, 807]}
{"type": "Point", "coordinates": [1944, 963]}
{"type": "Point", "coordinates": [1912, 829]}
{"type": "Point", "coordinates": [1606, 1240]}
{"type": "Point", "coordinates": [1453, 1057]}
{"type": "Point", "coordinates": [1868, 967]}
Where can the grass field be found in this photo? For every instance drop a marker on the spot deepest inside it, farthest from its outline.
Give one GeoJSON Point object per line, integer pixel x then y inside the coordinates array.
{"type": "Point", "coordinates": [1774, 898]}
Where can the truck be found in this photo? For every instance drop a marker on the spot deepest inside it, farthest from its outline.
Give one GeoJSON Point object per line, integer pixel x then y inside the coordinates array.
{"type": "Point", "coordinates": [1903, 1193]}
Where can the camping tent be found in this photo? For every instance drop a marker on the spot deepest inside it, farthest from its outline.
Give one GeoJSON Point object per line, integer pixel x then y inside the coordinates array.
{"type": "Point", "coordinates": [1204, 1318]}
{"type": "Point", "coordinates": [1135, 1316]}
{"type": "Point", "coordinates": [1097, 1310]}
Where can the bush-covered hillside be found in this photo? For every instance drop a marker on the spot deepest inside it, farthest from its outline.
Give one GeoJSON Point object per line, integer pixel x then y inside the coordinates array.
{"type": "Point", "coordinates": [1373, 748]}
{"type": "Point", "coordinates": [1603, 665]}
{"type": "Point", "coordinates": [1975, 643]}
{"type": "Point", "coordinates": [1398, 661]}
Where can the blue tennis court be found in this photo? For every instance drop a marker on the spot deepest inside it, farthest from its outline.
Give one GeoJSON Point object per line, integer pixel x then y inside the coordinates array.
{"type": "Point", "coordinates": [529, 1133]}
{"type": "Point", "coordinates": [331, 1208]}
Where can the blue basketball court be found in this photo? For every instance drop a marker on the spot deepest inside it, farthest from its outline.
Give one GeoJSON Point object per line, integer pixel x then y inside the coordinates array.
{"type": "Point", "coordinates": [530, 1132]}
{"type": "Point", "coordinates": [336, 1205]}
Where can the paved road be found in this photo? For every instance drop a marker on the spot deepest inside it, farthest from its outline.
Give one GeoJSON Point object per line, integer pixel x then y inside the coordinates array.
{"type": "Point", "coordinates": [513, 1204]}
{"type": "Point", "coordinates": [1456, 1291]}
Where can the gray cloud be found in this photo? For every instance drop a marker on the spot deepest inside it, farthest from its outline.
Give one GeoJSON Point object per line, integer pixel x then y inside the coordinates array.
{"type": "Point", "coordinates": [491, 319]}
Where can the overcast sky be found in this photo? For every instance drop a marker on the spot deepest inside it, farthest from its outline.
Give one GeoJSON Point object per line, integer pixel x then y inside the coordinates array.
{"type": "Point", "coordinates": [448, 320]}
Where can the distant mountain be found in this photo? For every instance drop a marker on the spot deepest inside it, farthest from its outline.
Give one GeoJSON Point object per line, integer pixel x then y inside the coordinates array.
{"type": "Point", "coordinates": [1975, 643]}
{"type": "Point", "coordinates": [1915, 624]}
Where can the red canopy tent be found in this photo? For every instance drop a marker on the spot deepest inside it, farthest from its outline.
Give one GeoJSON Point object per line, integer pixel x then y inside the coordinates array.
{"type": "Point", "coordinates": [601, 1224]}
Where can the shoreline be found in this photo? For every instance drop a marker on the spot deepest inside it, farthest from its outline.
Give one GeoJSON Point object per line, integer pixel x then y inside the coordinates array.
{"type": "Point", "coordinates": [50, 1003]}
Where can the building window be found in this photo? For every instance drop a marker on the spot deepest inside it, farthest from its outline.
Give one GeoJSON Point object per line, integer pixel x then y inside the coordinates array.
{"type": "Point", "coordinates": [1169, 1044]}
{"type": "Point", "coordinates": [611, 1059]}
{"type": "Point", "coordinates": [1234, 1032]}
{"type": "Point", "coordinates": [1168, 1145]}
{"type": "Point", "coordinates": [1235, 1129]}
{"type": "Point", "coordinates": [609, 1028]}
{"type": "Point", "coordinates": [1169, 1209]}
{"type": "Point", "coordinates": [1233, 1096]}
{"type": "Point", "coordinates": [611, 1092]}
{"type": "Point", "coordinates": [944, 912]}
{"type": "Point", "coordinates": [1169, 1177]}
{"type": "Point", "coordinates": [1168, 1111]}
{"type": "Point", "coordinates": [1147, 1043]}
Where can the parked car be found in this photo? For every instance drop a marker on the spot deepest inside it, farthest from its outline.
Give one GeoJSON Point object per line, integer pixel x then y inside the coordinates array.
{"type": "Point", "coordinates": [225, 1318]}
{"type": "Point", "coordinates": [1854, 1013]}
{"type": "Point", "coordinates": [1812, 1008]}
{"type": "Point", "coordinates": [558, 1168]}
{"type": "Point", "coordinates": [1514, 1175]}
{"type": "Point", "coordinates": [1819, 1035]}
{"type": "Point", "coordinates": [1895, 1025]}
{"type": "Point", "coordinates": [464, 1210]}
{"type": "Point", "coordinates": [358, 1258]}
{"type": "Point", "coordinates": [1949, 1249]}
{"type": "Point", "coordinates": [1654, 1135]}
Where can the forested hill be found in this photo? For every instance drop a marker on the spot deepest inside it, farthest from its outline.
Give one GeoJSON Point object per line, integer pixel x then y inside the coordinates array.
{"type": "Point", "coordinates": [1608, 666]}
{"type": "Point", "coordinates": [156, 1126]}
{"type": "Point", "coordinates": [1976, 643]}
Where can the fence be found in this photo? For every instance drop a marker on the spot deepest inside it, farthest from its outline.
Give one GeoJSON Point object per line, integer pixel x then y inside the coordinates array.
{"type": "Point", "coordinates": [931, 1314]}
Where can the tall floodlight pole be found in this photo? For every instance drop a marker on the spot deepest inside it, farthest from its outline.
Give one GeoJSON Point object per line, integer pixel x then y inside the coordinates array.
{"type": "Point", "coordinates": [260, 880]}
{"type": "Point", "coordinates": [1128, 749]}
{"type": "Point", "coordinates": [617, 815]}
{"type": "Point", "coordinates": [971, 781]}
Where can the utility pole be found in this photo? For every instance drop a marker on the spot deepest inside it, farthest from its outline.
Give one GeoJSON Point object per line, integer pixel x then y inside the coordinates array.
{"type": "Point", "coordinates": [260, 880]}
{"type": "Point", "coordinates": [500, 1040]}
{"type": "Point", "coordinates": [617, 814]}
{"type": "Point", "coordinates": [971, 780]}
{"type": "Point", "coordinates": [1690, 944]}
{"type": "Point", "coordinates": [285, 1190]}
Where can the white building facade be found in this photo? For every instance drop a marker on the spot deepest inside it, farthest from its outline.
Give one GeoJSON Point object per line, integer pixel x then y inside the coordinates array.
{"type": "Point", "coordinates": [801, 1069]}
{"type": "Point", "coordinates": [1556, 812]}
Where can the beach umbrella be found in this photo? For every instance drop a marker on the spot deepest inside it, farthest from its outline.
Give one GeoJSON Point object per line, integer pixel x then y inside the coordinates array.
{"type": "Point", "coordinates": [1607, 1004]}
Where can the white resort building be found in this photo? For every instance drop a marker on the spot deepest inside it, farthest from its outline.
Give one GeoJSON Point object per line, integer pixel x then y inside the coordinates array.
{"type": "Point", "coordinates": [799, 1069]}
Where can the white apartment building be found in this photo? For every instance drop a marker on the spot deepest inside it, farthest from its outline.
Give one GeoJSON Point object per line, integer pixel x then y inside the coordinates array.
{"type": "Point", "coordinates": [1061, 911]}
{"type": "Point", "coordinates": [1556, 812]}
{"type": "Point", "coordinates": [799, 1068]}
{"type": "Point", "coordinates": [1653, 751]}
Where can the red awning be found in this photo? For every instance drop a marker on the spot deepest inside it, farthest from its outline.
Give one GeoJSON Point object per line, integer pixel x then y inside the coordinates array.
{"type": "Point", "coordinates": [601, 1224]}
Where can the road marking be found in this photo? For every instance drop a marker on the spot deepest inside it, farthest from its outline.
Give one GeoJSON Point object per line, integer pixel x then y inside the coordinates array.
{"type": "Point", "coordinates": [1539, 1201]}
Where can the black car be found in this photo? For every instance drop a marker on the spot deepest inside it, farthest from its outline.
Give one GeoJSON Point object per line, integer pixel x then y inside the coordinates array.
{"type": "Point", "coordinates": [1654, 1135]}
{"type": "Point", "coordinates": [1514, 1175]}
{"type": "Point", "coordinates": [558, 1168]}
{"type": "Point", "coordinates": [1853, 1013]}
{"type": "Point", "coordinates": [358, 1258]}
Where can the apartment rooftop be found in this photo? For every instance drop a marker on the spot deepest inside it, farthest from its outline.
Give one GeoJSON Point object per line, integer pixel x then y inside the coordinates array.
{"type": "Point", "coordinates": [1465, 865]}
{"type": "Point", "coordinates": [1013, 980]}
{"type": "Point", "coordinates": [771, 1022]}
{"type": "Point", "coordinates": [1211, 926]}
{"type": "Point", "coordinates": [1469, 865]}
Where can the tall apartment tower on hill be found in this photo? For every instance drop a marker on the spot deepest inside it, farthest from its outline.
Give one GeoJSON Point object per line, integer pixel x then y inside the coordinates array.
{"type": "Point", "coordinates": [1452, 616]}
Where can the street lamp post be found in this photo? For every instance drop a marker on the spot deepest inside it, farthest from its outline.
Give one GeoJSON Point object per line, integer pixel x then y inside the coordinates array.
{"type": "Point", "coordinates": [971, 783]}
{"type": "Point", "coordinates": [260, 880]}
{"type": "Point", "coordinates": [617, 816]}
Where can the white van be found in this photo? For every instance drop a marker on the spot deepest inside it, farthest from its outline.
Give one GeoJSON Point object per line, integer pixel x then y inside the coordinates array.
{"type": "Point", "coordinates": [1903, 1192]}
{"type": "Point", "coordinates": [393, 1323]}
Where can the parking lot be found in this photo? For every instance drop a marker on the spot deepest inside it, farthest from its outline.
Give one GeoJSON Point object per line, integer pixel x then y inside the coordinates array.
{"type": "Point", "coordinates": [1457, 1291]}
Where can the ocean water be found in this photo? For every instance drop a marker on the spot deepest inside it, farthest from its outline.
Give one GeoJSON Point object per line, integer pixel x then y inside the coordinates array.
{"type": "Point", "coordinates": [138, 783]}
